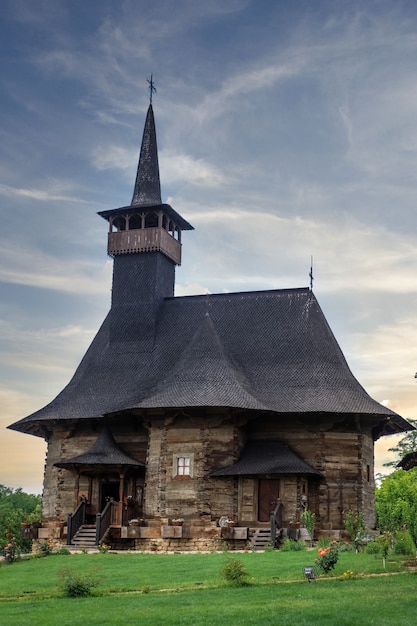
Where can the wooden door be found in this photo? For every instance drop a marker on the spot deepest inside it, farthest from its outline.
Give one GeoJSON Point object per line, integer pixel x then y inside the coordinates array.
{"type": "Point", "coordinates": [268, 495]}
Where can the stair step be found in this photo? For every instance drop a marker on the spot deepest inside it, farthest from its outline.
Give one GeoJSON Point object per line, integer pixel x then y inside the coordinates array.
{"type": "Point", "coordinates": [262, 538]}
{"type": "Point", "coordinates": [85, 537]}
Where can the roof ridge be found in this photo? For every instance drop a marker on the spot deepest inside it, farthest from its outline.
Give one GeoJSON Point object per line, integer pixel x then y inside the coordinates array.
{"type": "Point", "coordinates": [254, 292]}
{"type": "Point", "coordinates": [195, 361]}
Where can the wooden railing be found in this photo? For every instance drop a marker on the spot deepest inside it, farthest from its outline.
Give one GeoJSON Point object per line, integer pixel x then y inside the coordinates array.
{"type": "Point", "coordinates": [76, 520]}
{"type": "Point", "coordinates": [276, 522]}
{"type": "Point", "coordinates": [103, 521]}
{"type": "Point", "coordinates": [144, 240]}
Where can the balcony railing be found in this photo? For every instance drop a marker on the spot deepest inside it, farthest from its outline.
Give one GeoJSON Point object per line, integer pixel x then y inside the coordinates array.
{"type": "Point", "coordinates": [144, 240]}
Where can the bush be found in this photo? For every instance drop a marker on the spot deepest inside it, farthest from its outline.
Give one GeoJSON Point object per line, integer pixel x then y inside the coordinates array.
{"type": "Point", "coordinates": [75, 584]}
{"type": "Point", "coordinates": [324, 542]}
{"type": "Point", "coordinates": [328, 557]}
{"type": "Point", "coordinates": [403, 543]}
{"type": "Point", "coordinates": [373, 547]}
{"type": "Point", "coordinates": [10, 552]}
{"type": "Point", "coordinates": [290, 545]}
{"type": "Point", "coordinates": [103, 548]}
{"type": "Point", "coordinates": [44, 549]}
{"type": "Point", "coordinates": [308, 518]}
{"type": "Point", "coordinates": [63, 551]}
{"type": "Point", "coordinates": [234, 573]}
{"type": "Point", "coordinates": [396, 502]}
{"type": "Point", "coordinates": [354, 526]}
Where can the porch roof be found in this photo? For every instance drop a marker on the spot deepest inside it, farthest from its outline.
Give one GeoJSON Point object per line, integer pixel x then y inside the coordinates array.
{"type": "Point", "coordinates": [408, 461]}
{"type": "Point", "coordinates": [104, 453]}
{"type": "Point", "coordinates": [267, 457]}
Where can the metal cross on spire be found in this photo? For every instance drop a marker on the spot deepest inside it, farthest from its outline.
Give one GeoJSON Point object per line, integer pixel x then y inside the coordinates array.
{"type": "Point", "coordinates": [152, 88]}
{"type": "Point", "coordinates": [311, 274]}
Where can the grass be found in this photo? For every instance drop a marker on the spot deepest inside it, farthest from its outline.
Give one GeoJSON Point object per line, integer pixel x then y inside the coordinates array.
{"type": "Point", "coordinates": [187, 589]}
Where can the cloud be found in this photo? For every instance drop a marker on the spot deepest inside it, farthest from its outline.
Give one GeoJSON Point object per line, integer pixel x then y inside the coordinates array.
{"type": "Point", "coordinates": [39, 194]}
{"type": "Point", "coordinates": [34, 267]}
{"type": "Point", "coordinates": [389, 265]}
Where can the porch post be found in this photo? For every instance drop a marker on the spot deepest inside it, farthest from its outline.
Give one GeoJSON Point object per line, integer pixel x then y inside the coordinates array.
{"type": "Point", "coordinates": [76, 489]}
{"type": "Point", "coordinates": [121, 492]}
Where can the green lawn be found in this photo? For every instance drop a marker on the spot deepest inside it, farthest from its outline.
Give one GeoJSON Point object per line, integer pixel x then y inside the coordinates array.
{"type": "Point", "coordinates": [187, 589]}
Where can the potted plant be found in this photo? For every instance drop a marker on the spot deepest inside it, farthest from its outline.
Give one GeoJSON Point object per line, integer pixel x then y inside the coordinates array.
{"type": "Point", "coordinates": [231, 521]}
{"type": "Point", "coordinates": [177, 521]}
{"type": "Point", "coordinates": [136, 521]}
{"type": "Point", "coordinates": [295, 522]}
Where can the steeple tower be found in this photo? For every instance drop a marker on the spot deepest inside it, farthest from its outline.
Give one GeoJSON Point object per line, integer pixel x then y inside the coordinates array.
{"type": "Point", "coordinates": [147, 190]}
{"type": "Point", "coordinates": [144, 240]}
{"type": "Point", "coordinates": [146, 225]}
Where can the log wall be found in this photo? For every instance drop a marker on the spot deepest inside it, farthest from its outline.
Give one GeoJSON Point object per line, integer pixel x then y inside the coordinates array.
{"type": "Point", "coordinates": [341, 449]}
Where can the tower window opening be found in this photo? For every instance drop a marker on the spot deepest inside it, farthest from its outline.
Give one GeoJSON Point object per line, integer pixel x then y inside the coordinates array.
{"type": "Point", "coordinates": [151, 220]}
{"type": "Point", "coordinates": [135, 222]}
{"type": "Point", "coordinates": [119, 223]}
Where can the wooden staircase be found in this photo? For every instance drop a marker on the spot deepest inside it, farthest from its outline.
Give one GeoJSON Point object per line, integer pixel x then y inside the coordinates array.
{"type": "Point", "coordinates": [85, 538]}
{"type": "Point", "coordinates": [261, 539]}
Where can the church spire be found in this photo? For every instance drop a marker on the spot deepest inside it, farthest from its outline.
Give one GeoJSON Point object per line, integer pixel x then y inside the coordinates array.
{"type": "Point", "coordinates": [147, 190]}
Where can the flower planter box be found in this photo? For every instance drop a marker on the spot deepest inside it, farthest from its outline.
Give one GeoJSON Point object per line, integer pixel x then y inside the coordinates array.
{"type": "Point", "coordinates": [234, 532]}
{"type": "Point", "coordinates": [139, 532]}
{"type": "Point", "coordinates": [171, 532]}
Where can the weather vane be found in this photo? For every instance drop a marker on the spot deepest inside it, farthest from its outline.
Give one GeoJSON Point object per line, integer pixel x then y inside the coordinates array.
{"type": "Point", "coordinates": [152, 88]}
{"type": "Point", "coordinates": [311, 274]}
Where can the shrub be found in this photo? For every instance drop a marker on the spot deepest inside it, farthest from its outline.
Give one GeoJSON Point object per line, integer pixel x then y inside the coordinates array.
{"type": "Point", "coordinates": [403, 543]}
{"type": "Point", "coordinates": [323, 542]}
{"type": "Point", "coordinates": [308, 518]}
{"type": "Point", "coordinates": [345, 547]}
{"type": "Point", "coordinates": [103, 548]}
{"type": "Point", "coordinates": [354, 525]}
{"type": "Point", "coordinates": [290, 545]}
{"type": "Point", "coordinates": [373, 547]}
{"type": "Point", "coordinates": [44, 549]}
{"type": "Point", "coordinates": [63, 550]}
{"type": "Point", "coordinates": [75, 584]}
{"type": "Point", "coordinates": [385, 542]}
{"type": "Point", "coordinates": [10, 552]}
{"type": "Point", "coordinates": [233, 571]}
{"type": "Point", "coordinates": [328, 557]}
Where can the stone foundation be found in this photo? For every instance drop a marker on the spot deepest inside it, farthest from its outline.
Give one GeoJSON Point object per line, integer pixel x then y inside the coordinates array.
{"type": "Point", "coordinates": [160, 536]}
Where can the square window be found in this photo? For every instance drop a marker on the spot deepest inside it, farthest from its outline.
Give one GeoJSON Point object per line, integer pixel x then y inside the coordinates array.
{"type": "Point", "coordinates": [182, 465]}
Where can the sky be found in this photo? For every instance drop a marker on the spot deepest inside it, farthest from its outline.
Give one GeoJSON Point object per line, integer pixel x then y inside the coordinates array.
{"type": "Point", "coordinates": [286, 131]}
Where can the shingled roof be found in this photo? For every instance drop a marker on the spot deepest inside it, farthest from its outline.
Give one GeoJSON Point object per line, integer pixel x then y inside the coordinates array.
{"type": "Point", "coordinates": [408, 461]}
{"type": "Point", "coordinates": [264, 351]}
{"type": "Point", "coordinates": [267, 457]}
{"type": "Point", "coordinates": [103, 453]}
{"type": "Point", "coordinates": [269, 351]}
{"type": "Point", "coordinates": [147, 191]}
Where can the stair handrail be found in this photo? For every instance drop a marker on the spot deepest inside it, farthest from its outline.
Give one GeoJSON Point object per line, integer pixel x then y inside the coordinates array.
{"type": "Point", "coordinates": [75, 520]}
{"type": "Point", "coordinates": [103, 521]}
{"type": "Point", "coordinates": [276, 522]}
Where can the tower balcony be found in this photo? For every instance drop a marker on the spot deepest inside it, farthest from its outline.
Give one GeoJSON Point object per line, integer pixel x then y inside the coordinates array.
{"type": "Point", "coordinates": [155, 239]}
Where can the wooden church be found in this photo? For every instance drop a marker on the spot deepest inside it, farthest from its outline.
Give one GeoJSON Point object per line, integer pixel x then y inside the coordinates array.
{"type": "Point", "coordinates": [196, 420]}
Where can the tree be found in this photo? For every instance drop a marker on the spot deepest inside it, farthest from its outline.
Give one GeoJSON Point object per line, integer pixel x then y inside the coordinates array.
{"type": "Point", "coordinates": [396, 502]}
{"type": "Point", "coordinates": [15, 507]}
{"type": "Point", "coordinates": [407, 444]}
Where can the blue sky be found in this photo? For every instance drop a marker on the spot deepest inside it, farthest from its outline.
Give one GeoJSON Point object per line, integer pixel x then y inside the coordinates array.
{"type": "Point", "coordinates": [285, 129]}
